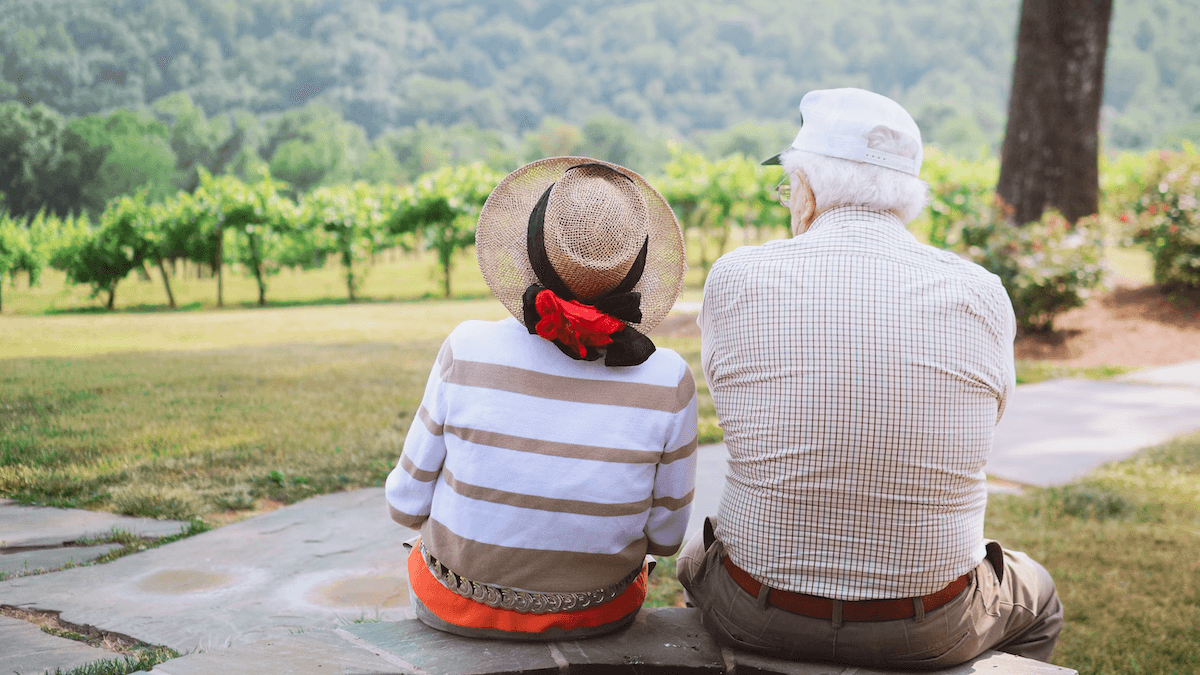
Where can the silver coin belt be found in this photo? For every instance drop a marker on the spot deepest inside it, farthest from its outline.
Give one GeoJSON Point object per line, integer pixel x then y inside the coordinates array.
{"type": "Point", "coordinates": [525, 602]}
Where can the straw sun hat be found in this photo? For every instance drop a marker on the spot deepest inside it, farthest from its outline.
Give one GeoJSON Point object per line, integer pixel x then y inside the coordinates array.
{"type": "Point", "coordinates": [599, 238]}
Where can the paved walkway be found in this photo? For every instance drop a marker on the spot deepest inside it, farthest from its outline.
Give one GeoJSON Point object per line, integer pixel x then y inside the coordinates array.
{"type": "Point", "coordinates": [335, 561]}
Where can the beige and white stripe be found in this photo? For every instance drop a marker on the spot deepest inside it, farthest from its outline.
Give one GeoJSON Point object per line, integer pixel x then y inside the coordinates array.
{"type": "Point", "coordinates": [527, 469]}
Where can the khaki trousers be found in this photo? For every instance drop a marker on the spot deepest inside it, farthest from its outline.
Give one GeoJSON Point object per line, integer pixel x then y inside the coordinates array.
{"type": "Point", "coordinates": [1010, 606]}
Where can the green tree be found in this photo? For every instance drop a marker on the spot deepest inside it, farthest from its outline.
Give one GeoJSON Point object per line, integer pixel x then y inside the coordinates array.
{"type": "Point", "coordinates": [199, 143]}
{"type": "Point", "coordinates": [423, 147]}
{"type": "Point", "coordinates": [31, 160]}
{"type": "Point", "coordinates": [313, 146]}
{"type": "Point", "coordinates": [442, 208]}
{"type": "Point", "coordinates": [711, 198]}
{"type": "Point", "coordinates": [352, 217]}
{"type": "Point", "coordinates": [136, 156]}
{"type": "Point", "coordinates": [193, 226]}
{"type": "Point", "coordinates": [253, 220]}
{"type": "Point", "coordinates": [106, 255]}
{"type": "Point", "coordinates": [18, 253]}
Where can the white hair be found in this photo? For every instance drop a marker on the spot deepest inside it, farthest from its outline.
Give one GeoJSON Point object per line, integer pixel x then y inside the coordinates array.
{"type": "Point", "coordinates": [842, 182]}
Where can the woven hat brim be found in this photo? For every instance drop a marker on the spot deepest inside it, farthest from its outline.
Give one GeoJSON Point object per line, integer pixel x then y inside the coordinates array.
{"type": "Point", "coordinates": [500, 239]}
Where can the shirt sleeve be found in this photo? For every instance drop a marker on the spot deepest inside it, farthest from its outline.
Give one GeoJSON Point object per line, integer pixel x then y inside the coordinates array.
{"type": "Point", "coordinates": [722, 291]}
{"type": "Point", "coordinates": [675, 476]}
{"type": "Point", "coordinates": [1003, 322]}
{"type": "Point", "coordinates": [409, 486]}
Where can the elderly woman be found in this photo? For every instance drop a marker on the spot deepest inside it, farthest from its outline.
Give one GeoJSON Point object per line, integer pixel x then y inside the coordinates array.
{"type": "Point", "coordinates": [554, 450]}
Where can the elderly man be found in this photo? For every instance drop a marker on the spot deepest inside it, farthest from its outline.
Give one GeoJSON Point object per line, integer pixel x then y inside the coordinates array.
{"type": "Point", "coordinates": [859, 376]}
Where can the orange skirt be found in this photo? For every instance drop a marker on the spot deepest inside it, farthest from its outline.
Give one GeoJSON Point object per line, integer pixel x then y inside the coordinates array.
{"type": "Point", "coordinates": [467, 613]}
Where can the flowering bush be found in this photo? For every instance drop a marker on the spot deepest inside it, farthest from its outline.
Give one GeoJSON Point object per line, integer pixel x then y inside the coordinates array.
{"type": "Point", "coordinates": [1168, 218]}
{"type": "Point", "coordinates": [958, 189]}
{"type": "Point", "coordinates": [1047, 267]}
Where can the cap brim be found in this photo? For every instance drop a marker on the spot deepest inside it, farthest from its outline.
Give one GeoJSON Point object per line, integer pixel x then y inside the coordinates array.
{"type": "Point", "coordinates": [774, 161]}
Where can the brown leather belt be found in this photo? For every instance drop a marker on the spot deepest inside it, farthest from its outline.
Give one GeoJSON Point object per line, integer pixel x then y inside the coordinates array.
{"type": "Point", "coordinates": [857, 610]}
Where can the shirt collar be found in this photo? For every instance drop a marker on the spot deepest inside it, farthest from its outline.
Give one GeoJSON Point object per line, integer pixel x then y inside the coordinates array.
{"type": "Point", "coordinates": [840, 215]}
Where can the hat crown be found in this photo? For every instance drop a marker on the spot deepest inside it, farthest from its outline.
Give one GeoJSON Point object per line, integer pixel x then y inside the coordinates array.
{"type": "Point", "coordinates": [502, 237]}
{"type": "Point", "coordinates": [861, 126]}
{"type": "Point", "coordinates": [595, 225]}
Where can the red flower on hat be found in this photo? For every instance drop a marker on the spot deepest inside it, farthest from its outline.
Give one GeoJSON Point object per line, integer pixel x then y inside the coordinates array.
{"type": "Point", "coordinates": [574, 324]}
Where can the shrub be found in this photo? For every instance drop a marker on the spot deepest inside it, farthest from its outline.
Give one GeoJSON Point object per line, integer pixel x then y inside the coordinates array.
{"type": "Point", "coordinates": [1168, 218]}
{"type": "Point", "coordinates": [1047, 267]}
{"type": "Point", "coordinates": [958, 189]}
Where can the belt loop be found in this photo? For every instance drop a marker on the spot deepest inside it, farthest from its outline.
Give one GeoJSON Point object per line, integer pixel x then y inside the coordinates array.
{"type": "Point", "coordinates": [837, 613]}
{"type": "Point", "coordinates": [764, 597]}
{"type": "Point", "coordinates": [918, 609]}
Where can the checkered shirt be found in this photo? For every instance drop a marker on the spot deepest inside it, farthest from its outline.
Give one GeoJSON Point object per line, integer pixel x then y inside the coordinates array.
{"type": "Point", "coordinates": [858, 376]}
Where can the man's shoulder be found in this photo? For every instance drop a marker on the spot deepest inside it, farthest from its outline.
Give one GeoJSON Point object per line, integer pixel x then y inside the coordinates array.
{"type": "Point", "coordinates": [744, 256]}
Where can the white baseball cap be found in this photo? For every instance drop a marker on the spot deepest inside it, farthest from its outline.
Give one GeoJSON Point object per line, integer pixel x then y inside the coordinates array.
{"type": "Point", "coordinates": [842, 122]}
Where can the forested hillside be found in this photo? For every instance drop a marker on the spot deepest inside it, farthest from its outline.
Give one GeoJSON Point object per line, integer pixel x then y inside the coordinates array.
{"type": "Point", "coordinates": [514, 66]}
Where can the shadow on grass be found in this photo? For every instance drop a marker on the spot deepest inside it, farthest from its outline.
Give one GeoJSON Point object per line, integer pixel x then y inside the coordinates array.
{"type": "Point", "coordinates": [271, 304]}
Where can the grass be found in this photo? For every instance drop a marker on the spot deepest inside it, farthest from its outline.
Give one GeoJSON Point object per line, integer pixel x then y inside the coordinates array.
{"type": "Point", "coordinates": [139, 661]}
{"type": "Point", "coordinates": [1121, 546]}
{"type": "Point", "coordinates": [197, 415]}
{"type": "Point", "coordinates": [184, 414]}
{"type": "Point", "coordinates": [180, 434]}
{"type": "Point", "coordinates": [130, 543]}
{"type": "Point", "coordinates": [1029, 372]}
{"type": "Point", "coordinates": [134, 656]}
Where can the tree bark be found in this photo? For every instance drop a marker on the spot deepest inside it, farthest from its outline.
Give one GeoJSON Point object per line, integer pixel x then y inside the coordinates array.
{"type": "Point", "coordinates": [166, 282]}
{"type": "Point", "coordinates": [218, 264]}
{"type": "Point", "coordinates": [112, 296]}
{"type": "Point", "coordinates": [1050, 154]}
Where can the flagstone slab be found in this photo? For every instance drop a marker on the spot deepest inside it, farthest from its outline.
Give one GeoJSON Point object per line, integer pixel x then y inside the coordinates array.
{"type": "Point", "coordinates": [991, 663]}
{"type": "Point", "coordinates": [26, 649]}
{"type": "Point", "coordinates": [22, 525]}
{"type": "Point", "coordinates": [310, 653]}
{"type": "Point", "coordinates": [667, 641]}
{"type": "Point", "coordinates": [1185, 374]}
{"type": "Point", "coordinates": [29, 561]}
{"type": "Point", "coordinates": [1056, 431]}
{"type": "Point", "coordinates": [320, 563]}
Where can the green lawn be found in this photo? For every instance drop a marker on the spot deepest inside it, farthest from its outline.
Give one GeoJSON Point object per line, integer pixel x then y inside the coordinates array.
{"type": "Point", "coordinates": [208, 414]}
{"type": "Point", "coordinates": [184, 414]}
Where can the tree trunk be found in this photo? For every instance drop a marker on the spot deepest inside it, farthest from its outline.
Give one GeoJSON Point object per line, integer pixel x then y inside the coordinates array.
{"type": "Point", "coordinates": [112, 296]}
{"type": "Point", "coordinates": [166, 282]}
{"type": "Point", "coordinates": [1050, 153]}
{"type": "Point", "coordinates": [348, 263]}
{"type": "Point", "coordinates": [256, 251]}
{"type": "Point", "coordinates": [218, 270]}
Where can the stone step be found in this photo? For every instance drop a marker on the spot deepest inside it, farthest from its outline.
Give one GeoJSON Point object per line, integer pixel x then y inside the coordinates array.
{"type": "Point", "coordinates": [667, 641]}
{"type": "Point", "coordinates": [28, 526]}
{"type": "Point", "coordinates": [26, 649]}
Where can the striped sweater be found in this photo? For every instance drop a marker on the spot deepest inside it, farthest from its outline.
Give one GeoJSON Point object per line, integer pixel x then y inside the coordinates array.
{"type": "Point", "coordinates": [527, 469]}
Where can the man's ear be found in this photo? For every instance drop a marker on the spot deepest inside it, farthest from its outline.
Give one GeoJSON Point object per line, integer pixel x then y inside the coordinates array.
{"type": "Point", "coordinates": [802, 219]}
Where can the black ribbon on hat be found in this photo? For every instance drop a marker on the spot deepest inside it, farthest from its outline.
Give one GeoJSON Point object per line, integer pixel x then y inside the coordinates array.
{"type": "Point", "coordinates": [628, 346]}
